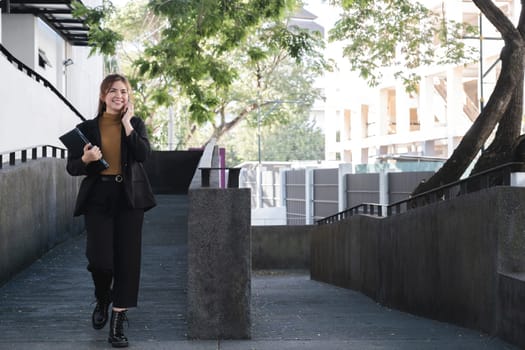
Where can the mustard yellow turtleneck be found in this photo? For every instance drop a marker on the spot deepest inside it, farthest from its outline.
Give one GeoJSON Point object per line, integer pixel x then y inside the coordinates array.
{"type": "Point", "coordinates": [110, 132]}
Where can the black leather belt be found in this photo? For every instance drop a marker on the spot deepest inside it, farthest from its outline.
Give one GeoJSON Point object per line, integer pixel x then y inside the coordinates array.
{"type": "Point", "coordinates": [111, 178]}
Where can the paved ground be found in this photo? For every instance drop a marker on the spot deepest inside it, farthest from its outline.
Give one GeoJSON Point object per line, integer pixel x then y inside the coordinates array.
{"type": "Point", "coordinates": [49, 305]}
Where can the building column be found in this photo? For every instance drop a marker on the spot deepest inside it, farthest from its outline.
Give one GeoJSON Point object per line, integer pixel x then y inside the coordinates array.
{"type": "Point", "coordinates": [309, 195]}
{"type": "Point", "coordinates": [455, 95]}
{"type": "Point", "coordinates": [344, 169]}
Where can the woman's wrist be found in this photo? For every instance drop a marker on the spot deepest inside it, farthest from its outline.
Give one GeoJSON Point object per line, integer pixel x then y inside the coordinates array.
{"type": "Point", "coordinates": [128, 128]}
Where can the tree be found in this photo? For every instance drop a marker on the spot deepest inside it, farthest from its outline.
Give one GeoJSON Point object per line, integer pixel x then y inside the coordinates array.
{"type": "Point", "coordinates": [298, 139]}
{"type": "Point", "coordinates": [201, 52]}
{"type": "Point", "coordinates": [402, 34]}
{"type": "Point", "coordinates": [282, 92]}
{"type": "Point", "coordinates": [392, 27]}
{"type": "Point", "coordinates": [270, 81]}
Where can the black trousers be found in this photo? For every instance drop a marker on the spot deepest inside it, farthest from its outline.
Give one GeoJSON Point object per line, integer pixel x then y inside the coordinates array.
{"type": "Point", "coordinates": [114, 241]}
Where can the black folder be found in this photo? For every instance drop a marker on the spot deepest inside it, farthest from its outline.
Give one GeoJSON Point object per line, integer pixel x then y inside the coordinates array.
{"type": "Point", "coordinates": [75, 141]}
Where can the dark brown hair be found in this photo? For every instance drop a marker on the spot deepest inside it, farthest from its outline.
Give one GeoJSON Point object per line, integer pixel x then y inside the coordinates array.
{"type": "Point", "coordinates": [106, 85]}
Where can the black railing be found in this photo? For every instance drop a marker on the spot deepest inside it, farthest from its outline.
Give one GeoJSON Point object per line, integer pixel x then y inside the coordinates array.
{"type": "Point", "coordinates": [233, 176]}
{"type": "Point", "coordinates": [31, 73]}
{"type": "Point", "coordinates": [497, 176]}
{"type": "Point", "coordinates": [23, 154]}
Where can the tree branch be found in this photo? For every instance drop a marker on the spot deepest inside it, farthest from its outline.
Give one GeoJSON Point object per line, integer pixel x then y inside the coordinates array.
{"type": "Point", "coordinates": [498, 20]}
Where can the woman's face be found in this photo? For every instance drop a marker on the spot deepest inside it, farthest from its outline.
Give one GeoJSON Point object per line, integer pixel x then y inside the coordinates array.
{"type": "Point", "coordinates": [116, 97]}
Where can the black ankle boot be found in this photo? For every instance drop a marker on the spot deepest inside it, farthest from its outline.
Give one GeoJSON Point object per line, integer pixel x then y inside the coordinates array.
{"type": "Point", "coordinates": [116, 329]}
{"type": "Point", "coordinates": [102, 280]}
{"type": "Point", "coordinates": [100, 314]}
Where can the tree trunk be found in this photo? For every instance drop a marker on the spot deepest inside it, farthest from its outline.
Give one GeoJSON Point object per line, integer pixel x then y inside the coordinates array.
{"type": "Point", "coordinates": [498, 104]}
{"type": "Point", "coordinates": [502, 149]}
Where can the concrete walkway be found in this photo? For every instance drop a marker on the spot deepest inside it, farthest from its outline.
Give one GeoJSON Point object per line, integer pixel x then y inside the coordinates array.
{"type": "Point", "coordinates": [49, 305]}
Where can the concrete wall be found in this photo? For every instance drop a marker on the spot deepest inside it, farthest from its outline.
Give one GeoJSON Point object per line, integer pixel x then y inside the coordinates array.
{"type": "Point", "coordinates": [36, 212]}
{"type": "Point", "coordinates": [281, 247]}
{"type": "Point", "coordinates": [446, 261]}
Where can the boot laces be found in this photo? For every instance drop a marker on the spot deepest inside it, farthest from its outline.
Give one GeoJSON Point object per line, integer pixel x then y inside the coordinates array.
{"type": "Point", "coordinates": [119, 324]}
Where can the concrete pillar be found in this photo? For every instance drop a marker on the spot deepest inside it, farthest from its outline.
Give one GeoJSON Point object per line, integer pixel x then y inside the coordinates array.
{"type": "Point", "coordinates": [282, 186]}
{"type": "Point", "coordinates": [425, 107]}
{"type": "Point", "coordinates": [219, 264]}
{"type": "Point", "coordinates": [258, 188]}
{"type": "Point", "coordinates": [429, 148]}
{"type": "Point", "coordinates": [309, 196]}
{"type": "Point", "coordinates": [383, 187]}
{"type": "Point", "coordinates": [402, 109]}
{"type": "Point", "coordinates": [455, 95]}
{"type": "Point", "coordinates": [382, 116]}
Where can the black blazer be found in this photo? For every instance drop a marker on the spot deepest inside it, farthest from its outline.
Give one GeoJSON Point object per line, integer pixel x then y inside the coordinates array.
{"type": "Point", "coordinates": [135, 149]}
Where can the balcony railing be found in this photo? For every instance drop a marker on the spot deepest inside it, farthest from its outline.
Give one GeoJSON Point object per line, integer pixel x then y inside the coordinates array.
{"type": "Point", "coordinates": [497, 176]}
{"type": "Point", "coordinates": [34, 152]}
{"type": "Point", "coordinates": [31, 73]}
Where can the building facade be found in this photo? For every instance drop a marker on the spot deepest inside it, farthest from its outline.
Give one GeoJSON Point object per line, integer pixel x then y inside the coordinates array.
{"type": "Point", "coordinates": [362, 124]}
{"type": "Point", "coordinates": [48, 80]}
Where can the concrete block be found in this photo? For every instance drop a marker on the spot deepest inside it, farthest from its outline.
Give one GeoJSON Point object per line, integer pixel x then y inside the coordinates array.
{"type": "Point", "coordinates": [219, 264]}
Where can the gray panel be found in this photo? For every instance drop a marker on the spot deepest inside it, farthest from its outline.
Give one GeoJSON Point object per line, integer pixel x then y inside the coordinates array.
{"type": "Point", "coordinates": [362, 188]}
{"type": "Point", "coordinates": [325, 192]}
{"type": "Point", "coordinates": [325, 176]}
{"type": "Point", "coordinates": [324, 209]}
{"type": "Point", "coordinates": [295, 176]}
{"type": "Point", "coordinates": [295, 192]}
{"type": "Point", "coordinates": [295, 197]}
{"type": "Point", "coordinates": [401, 185]}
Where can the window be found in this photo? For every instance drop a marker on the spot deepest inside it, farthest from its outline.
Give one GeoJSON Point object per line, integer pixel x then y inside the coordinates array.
{"type": "Point", "coordinates": [43, 61]}
{"type": "Point", "coordinates": [391, 111]}
{"type": "Point", "coordinates": [348, 124]}
{"type": "Point", "coordinates": [364, 122]}
{"type": "Point", "coordinates": [414, 120]}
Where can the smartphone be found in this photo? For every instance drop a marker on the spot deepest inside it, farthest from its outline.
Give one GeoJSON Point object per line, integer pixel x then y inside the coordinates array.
{"type": "Point", "coordinates": [125, 109]}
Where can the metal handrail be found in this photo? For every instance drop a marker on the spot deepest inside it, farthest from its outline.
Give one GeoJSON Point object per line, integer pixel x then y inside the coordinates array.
{"type": "Point", "coordinates": [31, 73]}
{"type": "Point", "coordinates": [470, 184]}
{"type": "Point", "coordinates": [233, 176]}
{"type": "Point", "coordinates": [56, 152]}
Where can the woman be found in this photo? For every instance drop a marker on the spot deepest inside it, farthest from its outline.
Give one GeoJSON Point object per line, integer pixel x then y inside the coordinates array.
{"type": "Point", "coordinates": [113, 199]}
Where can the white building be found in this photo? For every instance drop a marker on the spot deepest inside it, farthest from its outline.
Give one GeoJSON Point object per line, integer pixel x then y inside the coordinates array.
{"type": "Point", "coordinates": [365, 125]}
{"type": "Point", "coordinates": [362, 123]}
{"type": "Point", "coordinates": [47, 80]}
